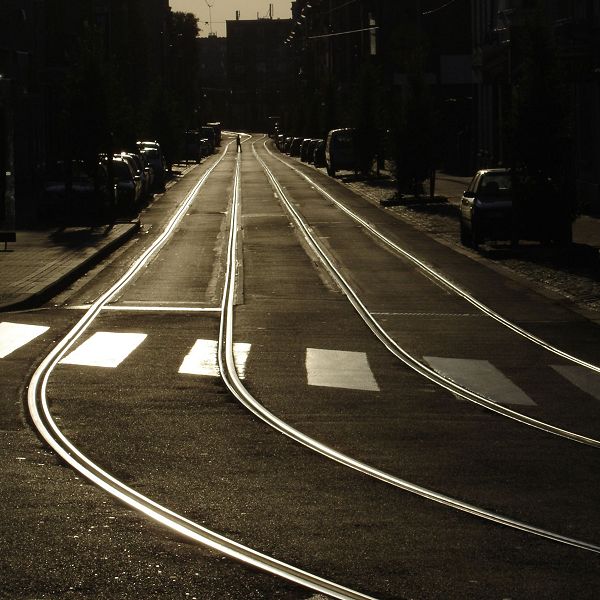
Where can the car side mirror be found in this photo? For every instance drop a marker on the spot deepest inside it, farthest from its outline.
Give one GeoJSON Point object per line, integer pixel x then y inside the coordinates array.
{"type": "Point", "coordinates": [468, 194]}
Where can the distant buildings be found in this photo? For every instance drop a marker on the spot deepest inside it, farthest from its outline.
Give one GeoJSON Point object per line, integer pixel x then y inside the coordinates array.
{"type": "Point", "coordinates": [213, 85]}
{"type": "Point", "coordinates": [258, 71]}
{"type": "Point", "coordinates": [73, 72]}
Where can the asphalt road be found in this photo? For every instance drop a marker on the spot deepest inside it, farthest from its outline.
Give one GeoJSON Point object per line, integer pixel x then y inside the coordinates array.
{"type": "Point", "coordinates": [160, 419]}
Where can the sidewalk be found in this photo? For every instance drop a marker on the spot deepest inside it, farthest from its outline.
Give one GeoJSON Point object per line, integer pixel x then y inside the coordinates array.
{"type": "Point", "coordinates": [573, 273]}
{"type": "Point", "coordinates": [41, 263]}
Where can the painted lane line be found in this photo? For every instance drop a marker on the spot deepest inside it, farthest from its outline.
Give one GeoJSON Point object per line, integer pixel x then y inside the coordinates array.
{"type": "Point", "coordinates": [150, 308]}
{"type": "Point", "coordinates": [581, 378]}
{"type": "Point", "coordinates": [104, 349]}
{"type": "Point", "coordinates": [202, 359]}
{"type": "Point", "coordinates": [339, 369]}
{"type": "Point", "coordinates": [423, 314]}
{"type": "Point", "coordinates": [15, 335]}
{"type": "Point", "coordinates": [482, 377]}
{"type": "Point", "coordinates": [185, 309]}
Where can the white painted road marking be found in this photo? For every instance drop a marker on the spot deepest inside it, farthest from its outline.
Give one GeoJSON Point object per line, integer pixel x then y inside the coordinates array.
{"type": "Point", "coordinates": [481, 377]}
{"type": "Point", "coordinates": [202, 359]}
{"type": "Point", "coordinates": [581, 377]}
{"type": "Point", "coordinates": [105, 349]}
{"type": "Point", "coordinates": [340, 369]}
{"type": "Point", "coordinates": [15, 335]}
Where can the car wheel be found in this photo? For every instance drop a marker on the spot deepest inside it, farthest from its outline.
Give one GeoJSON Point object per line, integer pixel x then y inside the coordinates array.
{"type": "Point", "coordinates": [465, 235]}
{"type": "Point", "coordinates": [476, 237]}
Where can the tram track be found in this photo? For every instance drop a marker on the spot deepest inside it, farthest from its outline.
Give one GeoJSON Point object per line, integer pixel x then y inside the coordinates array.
{"type": "Point", "coordinates": [389, 343]}
{"type": "Point", "coordinates": [228, 371]}
{"type": "Point", "coordinates": [47, 427]}
{"type": "Point", "coordinates": [51, 433]}
{"type": "Point", "coordinates": [229, 374]}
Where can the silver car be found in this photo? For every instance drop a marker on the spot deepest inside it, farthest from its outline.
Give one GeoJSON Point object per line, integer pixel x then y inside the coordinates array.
{"type": "Point", "coordinates": [486, 208]}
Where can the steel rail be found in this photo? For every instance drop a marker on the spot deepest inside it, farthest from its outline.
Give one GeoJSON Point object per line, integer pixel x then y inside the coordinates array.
{"type": "Point", "coordinates": [46, 426]}
{"type": "Point", "coordinates": [230, 377]}
{"type": "Point", "coordinates": [402, 354]}
{"type": "Point", "coordinates": [440, 278]}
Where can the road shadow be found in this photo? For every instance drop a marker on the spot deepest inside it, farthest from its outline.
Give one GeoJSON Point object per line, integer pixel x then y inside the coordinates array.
{"type": "Point", "coordinates": [79, 237]}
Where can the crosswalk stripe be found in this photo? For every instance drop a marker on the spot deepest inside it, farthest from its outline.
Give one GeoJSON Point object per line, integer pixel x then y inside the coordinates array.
{"type": "Point", "coordinates": [481, 377]}
{"type": "Point", "coordinates": [580, 377]}
{"type": "Point", "coordinates": [15, 335]}
{"type": "Point", "coordinates": [326, 368]}
{"type": "Point", "coordinates": [339, 369]}
{"type": "Point", "coordinates": [105, 349]}
{"type": "Point", "coordinates": [202, 359]}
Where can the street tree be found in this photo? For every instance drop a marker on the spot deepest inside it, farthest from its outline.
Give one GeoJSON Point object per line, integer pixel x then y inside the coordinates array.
{"type": "Point", "coordinates": [539, 133]}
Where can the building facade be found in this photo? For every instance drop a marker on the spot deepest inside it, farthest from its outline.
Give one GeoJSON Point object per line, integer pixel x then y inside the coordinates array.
{"type": "Point", "coordinates": [258, 71]}
{"type": "Point", "coordinates": [214, 87]}
{"type": "Point", "coordinates": [499, 59]}
{"type": "Point", "coordinates": [72, 72]}
{"type": "Point", "coordinates": [356, 58]}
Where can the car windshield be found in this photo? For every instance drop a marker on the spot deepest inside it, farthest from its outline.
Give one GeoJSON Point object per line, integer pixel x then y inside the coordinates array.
{"type": "Point", "coordinates": [495, 184]}
{"type": "Point", "coordinates": [343, 138]}
{"type": "Point", "coordinates": [122, 170]}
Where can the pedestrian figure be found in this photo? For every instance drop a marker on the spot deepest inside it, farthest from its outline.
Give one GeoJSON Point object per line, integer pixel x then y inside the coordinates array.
{"type": "Point", "coordinates": [239, 144]}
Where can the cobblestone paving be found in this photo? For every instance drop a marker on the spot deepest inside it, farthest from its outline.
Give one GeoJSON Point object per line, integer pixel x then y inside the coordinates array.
{"type": "Point", "coordinates": [574, 274]}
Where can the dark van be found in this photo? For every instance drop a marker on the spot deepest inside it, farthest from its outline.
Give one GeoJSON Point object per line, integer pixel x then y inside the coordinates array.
{"type": "Point", "coordinates": [340, 151]}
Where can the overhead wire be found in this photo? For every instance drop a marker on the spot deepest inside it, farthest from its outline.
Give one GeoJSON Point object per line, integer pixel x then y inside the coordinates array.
{"type": "Point", "coordinates": [434, 10]}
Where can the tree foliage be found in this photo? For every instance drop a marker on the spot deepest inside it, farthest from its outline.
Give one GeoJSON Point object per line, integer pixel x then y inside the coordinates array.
{"type": "Point", "coordinates": [540, 133]}
{"type": "Point", "coordinates": [412, 112]}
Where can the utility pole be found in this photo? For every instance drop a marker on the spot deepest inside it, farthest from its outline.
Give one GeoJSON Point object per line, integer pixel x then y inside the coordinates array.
{"type": "Point", "coordinates": [209, 17]}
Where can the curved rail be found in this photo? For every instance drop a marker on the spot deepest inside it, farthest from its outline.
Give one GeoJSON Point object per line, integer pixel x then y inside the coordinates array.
{"type": "Point", "coordinates": [439, 277]}
{"type": "Point", "coordinates": [415, 364]}
{"type": "Point", "coordinates": [46, 426]}
{"type": "Point", "coordinates": [234, 383]}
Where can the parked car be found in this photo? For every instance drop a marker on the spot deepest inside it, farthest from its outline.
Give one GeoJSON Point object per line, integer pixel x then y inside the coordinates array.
{"type": "Point", "coordinates": [193, 148]}
{"type": "Point", "coordinates": [295, 146]}
{"type": "Point", "coordinates": [287, 143]}
{"type": "Point", "coordinates": [486, 207]}
{"type": "Point", "coordinates": [138, 167]}
{"type": "Point", "coordinates": [489, 211]}
{"type": "Point", "coordinates": [310, 151]}
{"type": "Point", "coordinates": [208, 133]}
{"type": "Point", "coordinates": [155, 157]}
{"type": "Point", "coordinates": [304, 149]}
{"type": "Point", "coordinates": [319, 155]}
{"type": "Point", "coordinates": [75, 195]}
{"type": "Point", "coordinates": [148, 169]}
{"type": "Point", "coordinates": [340, 151]}
{"type": "Point", "coordinates": [217, 129]}
{"type": "Point", "coordinates": [128, 185]}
